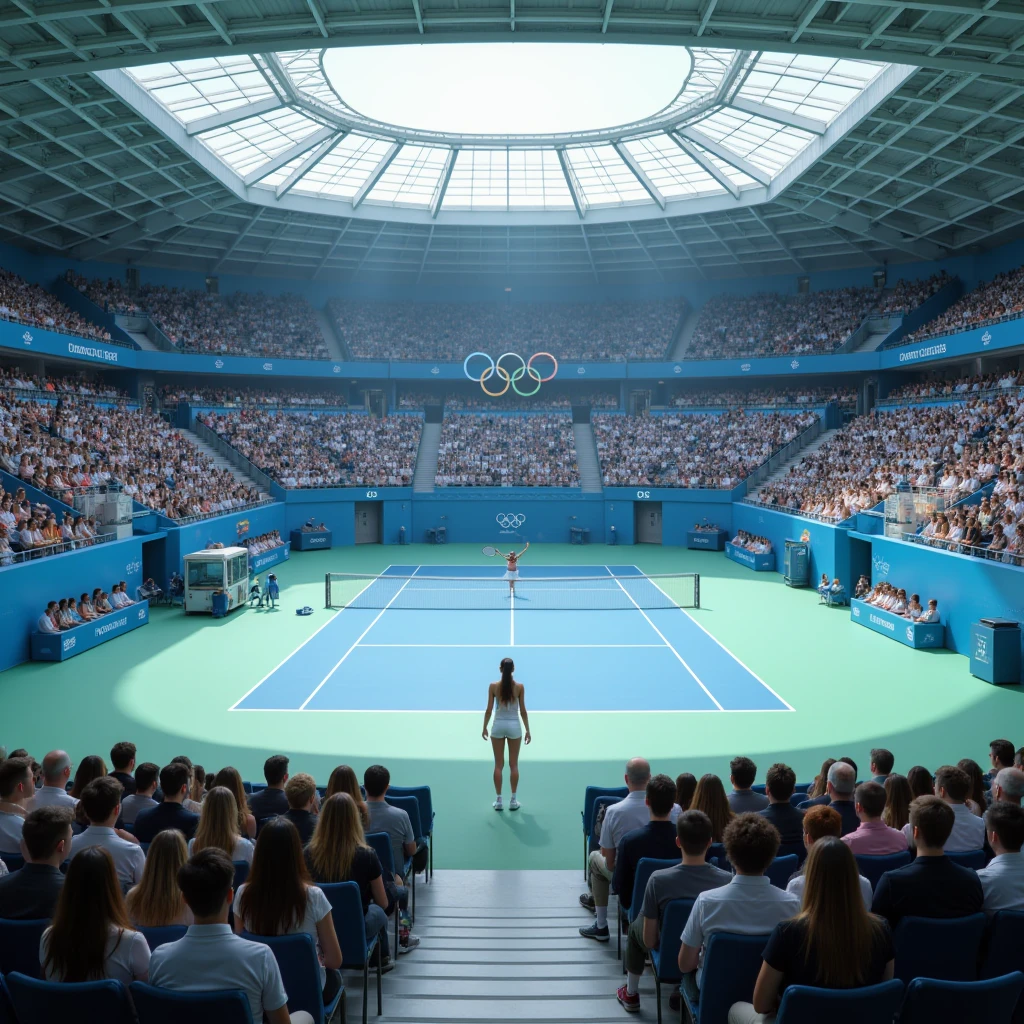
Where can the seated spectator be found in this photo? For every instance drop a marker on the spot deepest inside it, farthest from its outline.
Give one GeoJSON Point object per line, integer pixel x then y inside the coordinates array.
{"type": "Point", "coordinates": [820, 822]}
{"type": "Point", "coordinates": [91, 937]}
{"type": "Point", "coordinates": [686, 881]}
{"type": "Point", "coordinates": [832, 943]}
{"type": "Point", "coordinates": [48, 622]}
{"type": "Point", "coordinates": [278, 899]}
{"type": "Point", "coordinates": [968, 832]}
{"type": "Point", "coordinates": [271, 801]}
{"type": "Point", "coordinates": [149, 591]}
{"type": "Point", "coordinates": [90, 768]}
{"type": "Point", "coordinates": [300, 791]}
{"type": "Point", "coordinates": [393, 820]}
{"type": "Point", "coordinates": [102, 604]}
{"type": "Point", "coordinates": [932, 614]}
{"type": "Point", "coordinates": [146, 776]}
{"type": "Point", "coordinates": [977, 796]}
{"type": "Point", "coordinates": [881, 765]}
{"type": "Point", "coordinates": [344, 780]}
{"type": "Point", "coordinates": [863, 587]}
{"type": "Point", "coordinates": [101, 800]}
{"type": "Point", "coordinates": [839, 789]}
{"type": "Point", "coordinates": [992, 301]}
{"type": "Point", "coordinates": [1002, 880]}
{"type": "Point", "coordinates": [898, 796]}
{"type": "Point", "coordinates": [122, 757]}
{"type": "Point", "coordinates": [920, 781]}
{"type": "Point", "coordinates": [749, 904]}
{"type": "Point", "coordinates": [218, 827]}
{"type": "Point", "coordinates": [1000, 755]}
{"type": "Point", "coordinates": [17, 788]}
{"type": "Point", "coordinates": [709, 797]}
{"type": "Point", "coordinates": [743, 798]}
{"type": "Point", "coordinates": [209, 958]}
{"type": "Point", "coordinates": [31, 894]}
{"type": "Point", "coordinates": [174, 781]}
{"type": "Point", "coordinates": [779, 784]}
{"type": "Point", "coordinates": [1008, 786]}
{"type": "Point", "coordinates": [56, 773]}
{"type": "Point", "coordinates": [156, 901]}
{"type": "Point", "coordinates": [231, 780]}
{"type": "Point", "coordinates": [30, 304]}
{"type": "Point", "coordinates": [873, 838]}
{"type": "Point", "coordinates": [686, 786]}
{"type": "Point", "coordinates": [932, 885]}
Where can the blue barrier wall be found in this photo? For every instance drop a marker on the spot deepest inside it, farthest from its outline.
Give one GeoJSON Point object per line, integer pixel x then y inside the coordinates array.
{"type": "Point", "coordinates": [34, 584]}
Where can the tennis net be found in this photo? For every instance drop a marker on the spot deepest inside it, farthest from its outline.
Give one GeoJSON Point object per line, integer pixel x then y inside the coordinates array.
{"type": "Point", "coordinates": [533, 593]}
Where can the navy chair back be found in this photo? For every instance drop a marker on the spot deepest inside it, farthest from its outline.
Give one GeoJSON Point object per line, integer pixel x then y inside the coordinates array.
{"type": "Point", "coordinates": [300, 972]}
{"type": "Point", "coordinates": [1005, 953]}
{"type": "Point", "coordinates": [929, 1000]}
{"type": "Point", "coordinates": [381, 843]}
{"type": "Point", "coordinates": [260, 822]}
{"type": "Point", "coordinates": [347, 911]}
{"type": "Point", "coordinates": [781, 869]}
{"type": "Point", "coordinates": [241, 872]}
{"type": "Point", "coordinates": [731, 966]}
{"type": "Point", "coordinates": [797, 849]}
{"type": "Point", "coordinates": [716, 855]}
{"type": "Point", "coordinates": [422, 796]}
{"type": "Point", "coordinates": [161, 1006]}
{"type": "Point", "coordinates": [36, 1000]}
{"type": "Point", "coordinates": [872, 868]}
{"type": "Point", "coordinates": [644, 869]}
{"type": "Point", "coordinates": [6, 1006]}
{"type": "Point", "coordinates": [928, 947]}
{"type": "Point", "coordinates": [665, 959]}
{"type": "Point", "coordinates": [976, 859]}
{"type": "Point", "coordinates": [247, 786]}
{"type": "Point", "coordinates": [14, 861]}
{"type": "Point", "coordinates": [411, 806]}
{"type": "Point", "coordinates": [874, 1004]}
{"type": "Point", "coordinates": [590, 795]}
{"type": "Point", "coordinates": [156, 937]}
{"type": "Point", "coordinates": [19, 946]}
{"type": "Point", "coordinates": [798, 798]}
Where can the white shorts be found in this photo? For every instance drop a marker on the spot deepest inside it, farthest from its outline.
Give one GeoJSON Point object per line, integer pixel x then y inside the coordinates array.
{"type": "Point", "coordinates": [511, 574]}
{"type": "Point", "coordinates": [506, 729]}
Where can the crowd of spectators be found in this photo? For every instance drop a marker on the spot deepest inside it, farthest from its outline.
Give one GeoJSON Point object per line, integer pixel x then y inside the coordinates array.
{"type": "Point", "coordinates": [534, 450]}
{"type": "Point", "coordinates": [324, 449]}
{"type": "Point", "coordinates": [992, 528]}
{"type": "Point", "coordinates": [764, 397]}
{"type": "Point", "coordinates": [691, 450]}
{"type": "Point", "coordinates": [111, 295]}
{"type": "Point", "coordinates": [245, 397]}
{"type": "Point", "coordinates": [894, 599]}
{"type": "Point", "coordinates": [72, 384]}
{"type": "Point", "coordinates": [449, 331]}
{"type": "Point", "coordinates": [544, 399]}
{"type": "Point", "coordinates": [959, 386]}
{"type": "Point", "coordinates": [773, 324]}
{"type": "Point", "coordinates": [264, 542]}
{"type": "Point", "coordinates": [957, 447]}
{"type": "Point", "coordinates": [26, 303]}
{"type": "Point", "coordinates": [751, 542]}
{"type": "Point", "coordinates": [67, 613]}
{"type": "Point", "coordinates": [30, 530]}
{"type": "Point", "coordinates": [1002, 298]}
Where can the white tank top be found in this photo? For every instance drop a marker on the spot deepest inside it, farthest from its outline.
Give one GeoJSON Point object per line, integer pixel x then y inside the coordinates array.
{"type": "Point", "coordinates": [507, 711]}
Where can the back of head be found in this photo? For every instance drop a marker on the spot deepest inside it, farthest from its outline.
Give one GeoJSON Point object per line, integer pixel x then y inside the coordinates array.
{"type": "Point", "coordinates": [1002, 751]}
{"type": "Point", "coordinates": [274, 899]}
{"type": "Point", "coordinates": [883, 760]}
{"type": "Point", "coordinates": [638, 771]}
{"type": "Point", "coordinates": [13, 772]}
{"type": "Point", "coordinates": [55, 764]}
{"type": "Point", "coordinates": [955, 781]}
{"type": "Point", "coordinates": [101, 797]}
{"type": "Point", "coordinates": [853, 764]}
{"type": "Point", "coordinates": [921, 781]}
{"type": "Point", "coordinates": [121, 756]}
{"type": "Point", "coordinates": [661, 795]}
{"type": "Point", "coordinates": [694, 831]}
{"type": "Point", "coordinates": [173, 777]}
{"type": "Point", "coordinates": [275, 769]}
{"type": "Point", "coordinates": [44, 829]}
{"type": "Point", "coordinates": [780, 781]}
{"type": "Point", "coordinates": [145, 775]}
{"type": "Point", "coordinates": [205, 880]}
{"type": "Point", "coordinates": [743, 772]}
{"type": "Point", "coordinates": [933, 818]}
{"type": "Point", "coordinates": [376, 780]}
{"type": "Point", "coordinates": [338, 833]}
{"type": "Point", "coordinates": [1007, 821]}
{"type": "Point", "coordinates": [685, 786]}
{"type": "Point", "coordinates": [90, 767]}
{"type": "Point", "coordinates": [821, 821]}
{"type": "Point", "coordinates": [871, 797]}
{"type": "Point", "coordinates": [1011, 784]}
{"type": "Point", "coordinates": [843, 779]}
{"type": "Point", "coordinates": [299, 790]}
{"type": "Point", "coordinates": [344, 780]}
{"type": "Point", "coordinates": [218, 822]}
{"type": "Point", "coordinates": [751, 842]}
{"type": "Point", "coordinates": [157, 901]}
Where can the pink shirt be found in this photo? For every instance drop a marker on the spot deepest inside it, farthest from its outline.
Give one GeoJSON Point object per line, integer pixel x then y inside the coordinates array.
{"type": "Point", "coordinates": [875, 839]}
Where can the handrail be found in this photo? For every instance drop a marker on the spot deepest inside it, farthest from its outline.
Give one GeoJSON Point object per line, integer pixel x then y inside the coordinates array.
{"type": "Point", "coordinates": [789, 510]}
{"type": "Point", "coordinates": [59, 547]}
{"type": "Point", "coordinates": [235, 457]}
{"type": "Point", "coordinates": [960, 548]}
{"type": "Point", "coordinates": [988, 322]}
{"type": "Point", "coordinates": [199, 516]}
{"type": "Point", "coordinates": [798, 443]}
{"type": "Point", "coordinates": [964, 396]}
{"type": "Point", "coordinates": [60, 330]}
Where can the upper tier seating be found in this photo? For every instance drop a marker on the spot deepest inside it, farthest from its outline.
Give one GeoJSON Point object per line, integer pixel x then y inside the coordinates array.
{"type": "Point", "coordinates": [27, 303]}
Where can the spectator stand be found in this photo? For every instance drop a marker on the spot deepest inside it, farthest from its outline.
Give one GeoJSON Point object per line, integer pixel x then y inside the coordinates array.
{"type": "Point", "coordinates": [78, 301]}
{"type": "Point", "coordinates": [72, 642]}
{"type": "Point", "coordinates": [912, 634]}
{"type": "Point", "coordinates": [264, 560]}
{"type": "Point", "coordinates": [757, 561]}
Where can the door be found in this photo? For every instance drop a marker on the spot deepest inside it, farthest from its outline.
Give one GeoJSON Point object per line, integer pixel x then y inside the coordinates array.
{"type": "Point", "coordinates": [647, 522]}
{"type": "Point", "coordinates": [367, 522]}
{"type": "Point", "coordinates": [639, 403]}
{"type": "Point", "coordinates": [375, 404]}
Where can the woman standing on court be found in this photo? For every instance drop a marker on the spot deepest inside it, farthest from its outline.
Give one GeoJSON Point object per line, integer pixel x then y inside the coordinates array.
{"type": "Point", "coordinates": [511, 701]}
{"type": "Point", "coordinates": [512, 567]}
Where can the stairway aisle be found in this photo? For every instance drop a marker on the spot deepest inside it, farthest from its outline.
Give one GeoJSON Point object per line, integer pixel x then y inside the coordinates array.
{"type": "Point", "coordinates": [824, 437]}
{"type": "Point", "coordinates": [586, 458]}
{"type": "Point", "coordinates": [220, 462]}
{"type": "Point", "coordinates": [426, 459]}
{"type": "Point", "coordinates": [503, 946]}
{"type": "Point", "coordinates": [334, 344]}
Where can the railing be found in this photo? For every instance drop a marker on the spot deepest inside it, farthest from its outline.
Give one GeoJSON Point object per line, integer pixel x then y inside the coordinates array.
{"type": "Point", "coordinates": [872, 324]}
{"type": "Point", "coordinates": [987, 322]}
{"type": "Point", "coordinates": [964, 396]}
{"type": "Point", "coordinates": [790, 511]}
{"type": "Point", "coordinates": [35, 394]}
{"type": "Point", "coordinates": [200, 516]}
{"type": "Point", "coordinates": [959, 547]}
{"type": "Point", "coordinates": [235, 457]}
{"type": "Point", "coordinates": [799, 442]}
{"type": "Point", "coordinates": [56, 548]}
{"type": "Point", "coordinates": [60, 330]}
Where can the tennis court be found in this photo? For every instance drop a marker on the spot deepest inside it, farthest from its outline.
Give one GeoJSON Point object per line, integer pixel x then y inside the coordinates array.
{"type": "Point", "coordinates": [584, 638]}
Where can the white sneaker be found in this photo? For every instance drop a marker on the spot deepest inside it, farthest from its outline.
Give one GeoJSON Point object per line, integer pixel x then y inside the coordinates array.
{"type": "Point", "coordinates": [497, 805]}
{"type": "Point", "coordinates": [409, 945]}
{"type": "Point", "coordinates": [513, 804]}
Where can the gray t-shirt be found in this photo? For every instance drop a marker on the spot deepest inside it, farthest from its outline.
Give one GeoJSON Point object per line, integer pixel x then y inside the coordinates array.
{"type": "Point", "coordinates": [394, 821]}
{"type": "Point", "coordinates": [746, 800]}
{"type": "Point", "coordinates": [681, 882]}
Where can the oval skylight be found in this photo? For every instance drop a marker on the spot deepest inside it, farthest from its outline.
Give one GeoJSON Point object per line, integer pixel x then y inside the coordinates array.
{"type": "Point", "coordinates": [507, 88]}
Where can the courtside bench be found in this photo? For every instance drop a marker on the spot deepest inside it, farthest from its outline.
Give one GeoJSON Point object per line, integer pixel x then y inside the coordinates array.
{"type": "Point", "coordinates": [72, 642]}
{"type": "Point", "coordinates": [758, 562]}
{"type": "Point", "coordinates": [918, 635]}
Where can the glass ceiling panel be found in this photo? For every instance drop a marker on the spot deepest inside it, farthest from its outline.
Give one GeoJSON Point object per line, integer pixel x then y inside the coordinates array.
{"type": "Point", "coordinates": [673, 172]}
{"type": "Point", "coordinates": [479, 181]}
{"type": "Point", "coordinates": [247, 144]}
{"type": "Point", "coordinates": [738, 177]}
{"type": "Point", "coordinates": [604, 178]}
{"type": "Point", "coordinates": [341, 173]}
{"type": "Point", "coordinates": [768, 144]}
{"type": "Point", "coordinates": [412, 177]}
{"type": "Point", "coordinates": [536, 181]}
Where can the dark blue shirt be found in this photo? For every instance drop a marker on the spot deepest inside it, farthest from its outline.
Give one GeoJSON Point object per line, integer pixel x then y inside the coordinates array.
{"type": "Point", "coordinates": [928, 887]}
{"type": "Point", "coordinates": [162, 817]}
{"type": "Point", "coordinates": [656, 839]}
{"type": "Point", "coordinates": [787, 819]}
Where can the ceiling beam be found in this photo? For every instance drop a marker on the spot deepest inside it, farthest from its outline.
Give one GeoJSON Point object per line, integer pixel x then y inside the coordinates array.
{"type": "Point", "coordinates": [771, 113]}
{"type": "Point", "coordinates": [308, 164]}
{"type": "Point", "coordinates": [376, 174]}
{"type": "Point", "coordinates": [751, 170]}
{"type": "Point", "coordinates": [579, 200]}
{"type": "Point", "coordinates": [286, 156]}
{"type": "Point", "coordinates": [442, 183]}
{"type": "Point", "coordinates": [226, 117]}
{"type": "Point", "coordinates": [640, 174]}
{"type": "Point", "coordinates": [708, 165]}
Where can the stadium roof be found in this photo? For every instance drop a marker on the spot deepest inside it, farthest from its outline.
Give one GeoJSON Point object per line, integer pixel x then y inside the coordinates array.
{"type": "Point", "coordinates": [922, 159]}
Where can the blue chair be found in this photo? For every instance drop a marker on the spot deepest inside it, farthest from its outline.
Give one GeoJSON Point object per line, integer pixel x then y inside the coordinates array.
{"type": "Point", "coordinates": [1005, 953]}
{"type": "Point", "coordinates": [781, 870]}
{"type": "Point", "coordinates": [873, 1004]}
{"type": "Point", "coordinates": [798, 798]}
{"type": "Point", "coordinates": [929, 1000]}
{"type": "Point", "coordinates": [19, 946]}
{"type": "Point", "coordinates": [422, 794]}
{"type": "Point", "coordinates": [758, 787]}
{"type": "Point", "coordinates": [6, 1006]}
{"type": "Point", "coordinates": [836, 598]}
{"type": "Point", "coordinates": [247, 786]}
{"type": "Point", "coordinates": [156, 937]}
{"type": "Point", "coordinates": [260, 822]}
{"type": "Point", "coordinates": [929, 947]}
{"type": "Point", "coordinates": [300, 972]}
{"type": "Point", "coordinates": [356, 951]}
{"type": "Point", "coordinates": [872, 868]}
{"type": "Point", "coordinates": [796, 849]}
{"type": "Point", "coordinates": [125, 827]}
{"type": "Point", "coordinates": [241, 872]}
{"type": "Point", "coordinates": [731, 966]}
{"type": "Point", "coordinates": [162, 1006]}
{"type": "Point", "coordinates": [589, 813]}
{"type": "Point", "coordinates": [411, 806]}
{"type": "Point", "coordinates": [976, 859]}
{"type": "Point", "coordinates": [381, 843]}
{"type": "Point", "coordinates": [36, 1000]}
{"type": "Point", "coordinates": [145, 847]}
{"type": "Point", "coordinates": [14, 861]}
{"type": "Point", "coordinates": [665, 959]}
{"type": "Point", "coordinates": [716, 855]}
{"type": "Point", "coordinates": [645, 867]}
{"type": "Point", "coordinates": [801, 787]}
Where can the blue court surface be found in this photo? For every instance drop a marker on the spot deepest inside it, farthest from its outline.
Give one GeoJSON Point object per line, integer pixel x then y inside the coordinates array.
{"type": "Point", "coordinates": [606, 639]}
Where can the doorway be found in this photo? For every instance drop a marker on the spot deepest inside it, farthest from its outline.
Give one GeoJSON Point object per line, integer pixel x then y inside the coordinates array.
{"type": "Point", "coordinates": [368, 522]}
{"type": "Point", "coordinates": [647, 522]}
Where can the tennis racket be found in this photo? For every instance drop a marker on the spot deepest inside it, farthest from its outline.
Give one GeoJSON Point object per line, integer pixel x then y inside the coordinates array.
{"type": "Point", "coordinates": [489, 550]}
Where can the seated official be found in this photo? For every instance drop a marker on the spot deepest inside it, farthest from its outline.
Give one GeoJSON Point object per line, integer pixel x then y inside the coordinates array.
{"type": "Point", "coordinates": [149, 591]}
{"type": "Point", "coordinates": [157, 902]}
{"type": "Point", "coordinates": [686, 881]}
{"type": "Point", "coordinates": [749, 904]}
{"type": "Point", "coordinates": [873, 838]}
{"type": "Point", "coordinates": [145, 779]}
{"type": "Point", "coordinates": [101, 800]}
{"type": "Point", "coordinates": [271, 801]}
{"type": "Point", "coordinates": [91, 937]}
{"type": "Point", "coordinates": [31, 894]}
{"type": "Point", "coordinates": [833, 942]}
{"type": "Point", "coordinates": [1002, 881]}
{"type": "Point", "coordinates": [210, 958]}
{"type": "Point", "coordinates": [174, 781]}
{"type": "Point", "coordinates": [820, 822]}
{"type": "Point", "coordinates": [823, 585]}
{"type": "Point", "coordinates": [302, 804]}
{"type": "Point", "coordinates": [779, 784]}
{"type": "Point", "coordinates": [932, 885]}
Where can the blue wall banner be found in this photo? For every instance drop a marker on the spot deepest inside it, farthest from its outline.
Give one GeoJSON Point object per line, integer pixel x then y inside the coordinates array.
{"type": "Point", "coordinates": [706, 540]}
{"type": "Point", "coordinates": [268, 559]}
{"type": "Point", "coordinates": [72, 642]}
{"type": "Point", "coordinates": [979, 341]}
{"type": "Point", "coordinates": [752, 560]}
{"type": "Point", "coordinates": [311, 540]}
{"type": "Point", "coordinates": [895, 627]}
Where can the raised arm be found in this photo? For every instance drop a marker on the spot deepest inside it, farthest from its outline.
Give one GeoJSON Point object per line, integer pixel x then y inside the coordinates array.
{"type": "Point", "coordinates": [522, 711]}
{"type": "Point", "coordinates": [490, 708]}
{"type": "Point", "coordinates": [523, 552]}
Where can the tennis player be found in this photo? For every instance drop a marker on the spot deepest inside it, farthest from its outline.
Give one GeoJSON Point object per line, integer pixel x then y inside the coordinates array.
{"type": "Point", "coordinates": [512, 567]}
{"type": "Point", "coordinates": [511, 701]}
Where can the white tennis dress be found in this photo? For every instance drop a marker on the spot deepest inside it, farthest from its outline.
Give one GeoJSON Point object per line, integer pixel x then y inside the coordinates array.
{"type": "Point", "coordinates": [506, 725]}
{"type": "Point", "coordinates": [510, 573]}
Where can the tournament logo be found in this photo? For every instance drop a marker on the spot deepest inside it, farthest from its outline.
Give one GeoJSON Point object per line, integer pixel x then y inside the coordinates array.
{"type": "Point", "coordinates": [745, 367]}
{"type": "Point", "coordinates": [268, 366]}
{"type": "Point", "coordinates": [986, 338]}
{"type": "Point", "coordinates": [27, 337]}
{"type": "Point", "coordinates": [795, 364]}
{"type": "Point", "coordinates": [435, 370]}
{"type": "Point", "coordinates": [510, 521]}
{"type": "Point", "coordinates": [677, 368]}
{"type": "Point", "coordinates": [242, 527]}
{"type": "Point", "coordinates": [69, 642]}
{"type": "Point", "coordinates": [581, 370]}
{"type": "Point", "coordinates": [856, 612]}
{"type": "Point", "coordinates": [526, 369]}
{"type": "Point", "coordinates": [133, 567]}
{"type": "Point", "coordinates": [880, 565]}
{"type": "Point", "coordinates": [336, 368]}
{"type": "Point", "coordinates": [910, 634]}
{"type": "Point", "coordinates": [219, 363]}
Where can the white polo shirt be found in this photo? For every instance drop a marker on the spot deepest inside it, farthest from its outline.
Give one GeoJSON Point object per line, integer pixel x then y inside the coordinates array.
{"type": "Point", "coordinates": [968, 831]}
{"type": "Point", "coordinates": [133, 805]}
{"type": "Point", "coordinates": [52, 796]}
{"type": "Point", "coordinates": [10, 832]}
{"type": "Point", "coordinates": [796, 887]}
{"type": "Point", "coordinates": [45, 625]}
{"type": "Point", "coordinates": [129, 860]}
{"type": "Point", "coordinates": [1003, 883]}
{"type": "Point", "coordinates": [211, 958]}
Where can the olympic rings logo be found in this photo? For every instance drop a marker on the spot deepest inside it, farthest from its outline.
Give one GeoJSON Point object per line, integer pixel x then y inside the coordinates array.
{"type": "Point", "coordinates": [510, 522]}
{"type": "Point", "coordinates": [525, 369]}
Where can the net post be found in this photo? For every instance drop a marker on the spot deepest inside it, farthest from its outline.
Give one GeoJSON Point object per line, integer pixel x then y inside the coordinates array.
{"type": "Point", "coordinates": [696, 590]}
{"type": "Point", "coordinates": [327, 590]}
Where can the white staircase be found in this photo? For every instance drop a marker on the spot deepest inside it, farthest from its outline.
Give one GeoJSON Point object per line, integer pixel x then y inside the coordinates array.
{"type": "Point", "coordinates": [142, 340]}
{"type": "Point", "coordinates": [691, 316]}
{"type": "Point", "coordinates": [822, 438]}
{"type": "Point", "coordinates": [220, 462]}
{"type": "Point", "coordinates": [873, 341]}
{"type": "Point", "coordinates": [586, 458]}
{"type": "Point", "coordinates": [334, 344]}
{"type": "Point", "coordinates": [426, 459]}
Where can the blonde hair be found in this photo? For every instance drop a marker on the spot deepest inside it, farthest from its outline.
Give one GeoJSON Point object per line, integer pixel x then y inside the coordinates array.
{"type": "Point", "coordinates": [299, 790]}
{"type": "Point", "coordinates": [344, 780]}
{"type": "Point", "coordinates": [338, 834]}
{"type": "Point", "coordinates": [157, 901]}
{"type": "Point", "coordinates": [232, 781]}
{"type": "Point", "coordinates": [218, 822]}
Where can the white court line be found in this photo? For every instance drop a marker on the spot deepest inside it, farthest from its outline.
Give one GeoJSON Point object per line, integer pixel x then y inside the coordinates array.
{"type": "Point", "coordinates": [498, 646]}
{"type": "Point", "coordinates": [682, 661]}
{"type": "Point", "coordinates": [302, 706]}
{"type": "Point", "coordinates": [789, 707]}
{"type": "Point", "coordinates": [511, 617]}
{"type": "Point", "coordinates": [234, 707]}
{"type": "Point", "coordinates": [571, 711]}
